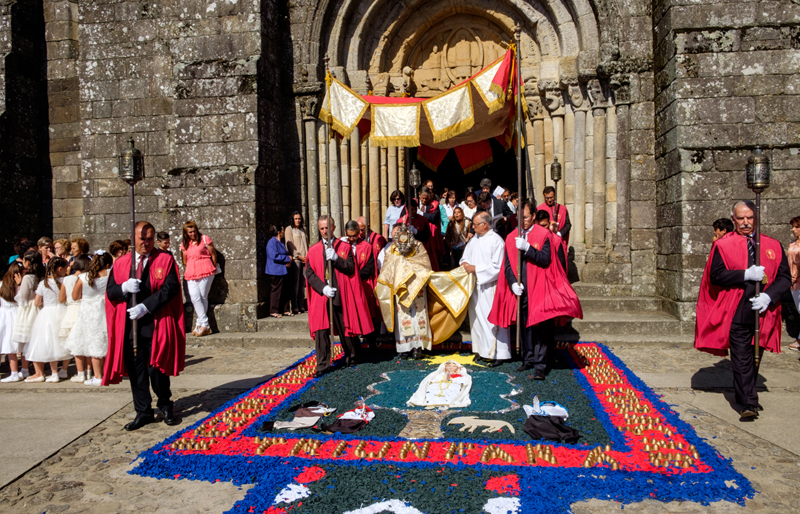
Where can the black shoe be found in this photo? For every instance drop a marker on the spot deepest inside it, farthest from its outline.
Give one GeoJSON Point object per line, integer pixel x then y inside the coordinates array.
{"type": "Point", "coordinates": [169, 415]}
{"type": "Point", "coordinates": [319, 374]}
{"type": "Point", "coordinates": [495, 363]}
{"type": "Point", "coordinates": [140, 421]}
{"type": "Point", "coordinates": [748, 413]}
{"type": "Point", "coordinates": [404, 355]}
{"type": "Point", "coordinates": [759, 407]}
{"type": "Point", "coordinates": [416, 354]}
{"type": "Point", "coordinates": [539, 375]}
{"type": "Point", "coordinates": [524, 367]}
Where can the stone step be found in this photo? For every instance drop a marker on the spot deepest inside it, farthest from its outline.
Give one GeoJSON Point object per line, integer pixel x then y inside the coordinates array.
{"type": "Point", "coordinates": [595, 289]}
{"type": "Point", "coordinates": [624, 323]}
{"type": "Point", "coordinates": [600, 303]}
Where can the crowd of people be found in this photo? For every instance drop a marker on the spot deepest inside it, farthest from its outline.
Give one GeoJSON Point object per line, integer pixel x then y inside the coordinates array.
{"type": "Point", "coordinates": [53, 302]}
{"type": "Point", "coordinates": [477, 233]}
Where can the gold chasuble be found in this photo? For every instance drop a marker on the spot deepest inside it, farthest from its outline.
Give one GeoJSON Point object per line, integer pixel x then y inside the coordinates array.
{"type": "Point", "coordinates": [404, 277]}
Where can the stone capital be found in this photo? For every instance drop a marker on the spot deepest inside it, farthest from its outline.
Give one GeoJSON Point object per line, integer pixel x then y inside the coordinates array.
{"type": "Point", "coordinates": [553, 97]}
{"type": "Point", "coordinates": [621, 85]}
{"type": "Point", "coordinates": [596, 95]}
{"type": "Point", "coordinates": [307, 88]}
{"type": "Point", "coordinates": [308, 106]}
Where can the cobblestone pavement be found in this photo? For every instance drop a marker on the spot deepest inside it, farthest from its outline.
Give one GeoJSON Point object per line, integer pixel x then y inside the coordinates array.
{"type": "Point", "coordinates": [89, 474]}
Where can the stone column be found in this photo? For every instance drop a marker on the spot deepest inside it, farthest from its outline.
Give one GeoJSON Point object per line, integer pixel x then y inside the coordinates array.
{"type": "Point", "coordinates": [365, 178]}
{"type": "Point", "coordinates": [568, 184]}
{"type": "Point", "coordinates": [558, 151]}
{"type": "Point", "coordinates": [548, 150]}
{"type": "Point", "coordinates": [402, 168]}
{"type": "Point", "coordinates": [578, 217]}
{"type": "Point", "coordinates": [335, 179]}
{"type": "Point", "coordinates": [355, 175]}
{"type": "Point", "coordinates": [324, 201]}
{"type": "Point", "coordinates": [538, 159]}
{"type": "Point", "coordinates": [599, 176]}
{"type": "Point", "coordinates": [384, 183]}
{"type": "Point", "coordinates": [392, 184]}
{"type": "Point", "coordinates": [374, 183]}
{"type": "Point", "coordinates": [308, 106]}
{"type": "Point", "coordinates": [622, 100]}
{"type": "Point", "coordinates": [344, 158]}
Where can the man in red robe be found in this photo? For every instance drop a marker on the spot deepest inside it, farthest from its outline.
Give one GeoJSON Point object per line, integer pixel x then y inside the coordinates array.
{"type": "Point", "coordinates": [559, 216]}
{"type": "Point", "coordinates": [420, 227]}
{"type": "Point", "coordinates": [366, 260]}
{"type": "Point", "coordinates": [351, 316]}
{"type": "Point", "coordinates": [545, 293]}
{"type": "Point", "coordinates": [543, 220]}
{"type": "Point", "coordinates": [727, 305]}
{"type": "Point", "coordinates": [161, 335]}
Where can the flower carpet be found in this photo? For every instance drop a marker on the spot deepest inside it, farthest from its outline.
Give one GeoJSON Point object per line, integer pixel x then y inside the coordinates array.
{"type": "Point", "coordinates": [632, 446]}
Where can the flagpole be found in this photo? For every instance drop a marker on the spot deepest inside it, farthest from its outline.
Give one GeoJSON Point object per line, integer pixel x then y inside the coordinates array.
{"type": "Point", "coordinates": [329, 239]}
{"type": "Point", "coordinates": [520, 213]}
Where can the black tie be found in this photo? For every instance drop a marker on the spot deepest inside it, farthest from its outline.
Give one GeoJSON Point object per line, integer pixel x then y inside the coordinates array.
{"type": "Point", "coordinates": [751, 249]}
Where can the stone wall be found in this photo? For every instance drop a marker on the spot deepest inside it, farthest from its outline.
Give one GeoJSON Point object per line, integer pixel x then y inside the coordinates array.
{"type": "Point", "coordinates": [726, 80]}
{"type": "Point", "coordinates": [26, 209]}
{"type": "Point", "coordinates": [198, 87]}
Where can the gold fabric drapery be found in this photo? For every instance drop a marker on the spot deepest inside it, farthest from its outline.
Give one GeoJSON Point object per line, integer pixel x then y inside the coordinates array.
{"type": "Point", "coordinates": [404, 277]}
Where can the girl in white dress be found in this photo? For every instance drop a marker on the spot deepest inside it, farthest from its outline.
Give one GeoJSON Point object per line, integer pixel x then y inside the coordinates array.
{"type": "Point", "coordinates": [45, 344]}
{"type": "Point", "coordinates": [8, 313]}
{"type": "Point", "coordinates": [79, 265]}
{"type": "Point", "coordinates": [89, 337]}
{"type": "Point", "coordinates": [26, 308]}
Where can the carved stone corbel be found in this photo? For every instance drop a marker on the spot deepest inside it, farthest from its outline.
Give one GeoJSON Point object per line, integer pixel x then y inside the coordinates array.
{"type": "Point", "coordinates": [308, 106]}
{"type": "Point", "coordinates": [553, 97]}
{"type": "Point", "coordinates": [596, 95]}
{"type": "Point", "coordinates": [621, 84]}
{"type": "Point", "coordinates": [575, 96]}
{"type": "Point", "coordinates": [535, 107]}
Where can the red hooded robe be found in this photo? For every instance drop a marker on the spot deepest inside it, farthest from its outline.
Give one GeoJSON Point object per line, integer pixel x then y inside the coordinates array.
{"type": "Point", "coordinates": [357, 320]}
{"type": "Point", "coordinates": [549, 293]}
{"type": "Point", "coordinates": [716, 306]}
{"type": "Point", "coordinates": [562, 219]}
{"type": "Point", "coordinates": [363, 252]}
{"type": "Point", "coordinates": [168, 352]}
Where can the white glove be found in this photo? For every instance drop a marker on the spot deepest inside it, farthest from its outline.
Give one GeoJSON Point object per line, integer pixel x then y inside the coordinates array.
{"type": "Point", "coordinates": [329, 291]}
{"type": "Point", "coordinates": [131, 286]}
{"type": "Point", "coordinates": [559, 234]}
{"type": "Point", "coordinates": [761, 302]}
{"type": "Point", "coordinates": [754, 273]}
{"type": "Point", "coordinates": [137, 311]}
{"type": "Point", "coordinates": [413, 229]}
{"type": "Point", "coordinates": [330, 254]}
{"type": "Point", "coordinates": [517, 288]}
{"type": "Point", "coordinates": [522, 244]}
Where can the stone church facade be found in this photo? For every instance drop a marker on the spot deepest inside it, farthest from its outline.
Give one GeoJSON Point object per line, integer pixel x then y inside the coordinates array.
{"type": "Point", "coordinates": [651, 107]}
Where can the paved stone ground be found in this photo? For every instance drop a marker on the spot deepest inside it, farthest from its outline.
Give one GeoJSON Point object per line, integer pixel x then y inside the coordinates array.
{"type": "Point", "coordinates": [88, 473]}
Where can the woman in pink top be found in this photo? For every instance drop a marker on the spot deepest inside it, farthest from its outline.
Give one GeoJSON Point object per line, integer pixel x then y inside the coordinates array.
{"type": "Point", "coordinates": [200, 266]}
{"type": "Point", "coordinates": [793, 311]}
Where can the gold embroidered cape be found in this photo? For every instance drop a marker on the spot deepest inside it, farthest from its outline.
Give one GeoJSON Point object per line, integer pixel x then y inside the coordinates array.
{"type": "Point", "coordinates": [404, 277]}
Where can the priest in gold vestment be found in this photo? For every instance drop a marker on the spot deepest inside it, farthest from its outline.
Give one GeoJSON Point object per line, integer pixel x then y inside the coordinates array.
{"type": "Point", "coordinates": [423, 308]}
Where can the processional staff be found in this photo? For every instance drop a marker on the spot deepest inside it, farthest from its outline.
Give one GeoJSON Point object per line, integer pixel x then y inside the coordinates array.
{"type": "Point", "coordinates": [757, 174]}
{"type": "Point", "coordinates": [329, 239]}
{"type": "Point", "coordinates": [131, 171]}
{"type": "Point", "coordinates": [520, 148]}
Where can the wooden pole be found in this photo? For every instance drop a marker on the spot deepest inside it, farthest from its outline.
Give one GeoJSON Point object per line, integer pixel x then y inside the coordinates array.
{"type": "Point", "coordinates": [331, 216]}
{"type": "Point", "coordinates": [134, 323]}
{"type": "Point", "coordinates": [520, 213]}
{"type": "Point", "coordinates": [757, 237]}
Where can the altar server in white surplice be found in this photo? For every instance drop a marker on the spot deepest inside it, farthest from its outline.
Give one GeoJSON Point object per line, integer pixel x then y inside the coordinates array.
{"type": "Point", "coordinates": [483, 256]}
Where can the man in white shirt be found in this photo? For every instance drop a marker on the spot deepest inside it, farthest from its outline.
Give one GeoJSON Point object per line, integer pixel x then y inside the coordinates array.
{"type": "Point", "coordinates": [483, 257]}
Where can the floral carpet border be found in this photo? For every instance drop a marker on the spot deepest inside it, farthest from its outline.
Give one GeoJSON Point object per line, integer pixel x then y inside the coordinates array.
{"type": "Point", "coordinates": [653, 455]}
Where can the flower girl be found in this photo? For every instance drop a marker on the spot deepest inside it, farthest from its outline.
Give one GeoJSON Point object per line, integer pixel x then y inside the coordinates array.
{"type": "Point", "coordinates": [8, 313]}
{"type": "Point", "coordinates": [26, 308]}
{"type": "Point", "coordinates": [45, 345]}
{"type": "Point", "coordinates": [89, 337]}
{"type": "Point", "coordinates": [65, 296]}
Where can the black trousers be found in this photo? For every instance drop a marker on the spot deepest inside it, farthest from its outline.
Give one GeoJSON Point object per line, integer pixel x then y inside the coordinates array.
{"type": "Point", "coordinates": [537, 340]}
{"type": "Point", "coordinates": [142, 376]}
{"type": "Point", "coordinates": [742, 362]}
{"type": "Point", "coordinates": [277, 303]}
{"type": "Point", "coordinates": [322, 341]}
{"type": "Point", "coordinates": [297, 287]}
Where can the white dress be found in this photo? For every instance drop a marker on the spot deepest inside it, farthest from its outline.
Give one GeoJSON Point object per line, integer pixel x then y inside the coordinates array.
{"type": "Point", "coordinates": [8, 314]}
{"type": "Point", "coordinates": [45, 344]}
{"type": "Point", "coordinates": [89, 336]}
{"type": "Point", "coordinates": [26, 311]}
{"type": "Point", "coordinates": [71, 314]}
